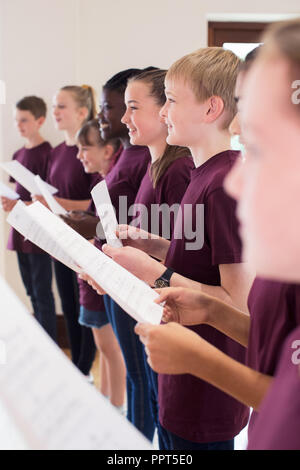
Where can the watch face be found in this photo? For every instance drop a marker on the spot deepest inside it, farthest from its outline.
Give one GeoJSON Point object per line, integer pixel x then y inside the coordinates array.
{"type": "Point", "coordinates": [159, 283]}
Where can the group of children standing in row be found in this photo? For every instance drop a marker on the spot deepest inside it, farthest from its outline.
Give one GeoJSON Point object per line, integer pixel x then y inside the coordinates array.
{"type": "Point", "coordinates": [231, 320]}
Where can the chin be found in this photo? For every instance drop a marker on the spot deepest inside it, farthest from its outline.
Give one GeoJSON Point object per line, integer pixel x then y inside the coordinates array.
{"type": "Point", "coordinates": [173, 140]}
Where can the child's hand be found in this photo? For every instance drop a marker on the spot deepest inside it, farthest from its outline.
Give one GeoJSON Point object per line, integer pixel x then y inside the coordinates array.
{"type": "Point", "coordinates": [185, 306]}
{"type": "Point", "coordinates": [135, 237]}
{"type": "Point", "coordinates": [170, 348]}
{"type": "Point", "coordinates": [92, 283]}
{"type": "Point", "coordinates": [36, 197]}
{"type": "Point", "coordinates": [82, 222]}
{"type": "Point", "coordinates": [136, 261]}
{"type": "Point", "coordinates": [8, 204]}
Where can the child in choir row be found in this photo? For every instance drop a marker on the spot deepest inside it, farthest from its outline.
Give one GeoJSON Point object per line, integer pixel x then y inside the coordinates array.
{"type": "Point", "coordinates": [72, 107]}
{"type": "Point", "coordinates": [34, 264]}
{"type": "Point", "coordinates": [99, 156]}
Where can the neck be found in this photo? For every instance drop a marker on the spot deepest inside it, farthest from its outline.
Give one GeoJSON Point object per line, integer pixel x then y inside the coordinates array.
{"type": "Point", "coordinates": [125, 141]}
{"type": "Point", "coordinates": [209, 147]}
{"type": "Point", "coordinates": [70, 136]}
{"type": "Point", "coordinates": [157, 150]}
{"type": "Point", "coordinates": [34, 141]}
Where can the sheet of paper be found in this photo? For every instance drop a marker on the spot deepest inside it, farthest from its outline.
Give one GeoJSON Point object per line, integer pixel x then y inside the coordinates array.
{"type": "Point", "coordinates": [49, 232]}
{"type": "Point", "coordinates": [106, 213]}
{"type": "Point", "coordinates": [6, 191]}
{"type": "Point", "coordinates": [24, 176]}
{"type": "Point", "coordinates": [51, 201]}
{"type": "Point", "coordinates": [34, 231]}
{"type": "Point", "coordinates": [48, 399]}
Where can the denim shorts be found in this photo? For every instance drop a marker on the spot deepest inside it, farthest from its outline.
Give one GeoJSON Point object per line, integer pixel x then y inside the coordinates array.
{"type": "Point", "coordinates": [92, 318]}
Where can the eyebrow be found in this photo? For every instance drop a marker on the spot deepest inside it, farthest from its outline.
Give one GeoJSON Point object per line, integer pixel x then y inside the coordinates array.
{"type": "Point", "coordinates": [170, 92]}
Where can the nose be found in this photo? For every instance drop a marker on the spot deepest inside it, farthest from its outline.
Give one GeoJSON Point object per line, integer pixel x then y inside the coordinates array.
{"type": "Point", "coordinates": [233, 183]}
{"type": "Point", "coordinates": [125, 118]}
{"type": "Point", "coordinates": [163, 111]}
{"type": "Point", "coordinates": [235, 127]}
{"type": "Point", "coordinates": [80, 155]}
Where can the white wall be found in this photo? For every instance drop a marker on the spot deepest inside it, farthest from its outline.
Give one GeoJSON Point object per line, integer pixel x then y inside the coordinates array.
{"type": "Point", "coordinates": [45, 44]}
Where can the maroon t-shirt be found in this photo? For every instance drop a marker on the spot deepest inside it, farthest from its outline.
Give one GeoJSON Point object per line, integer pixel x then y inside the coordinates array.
{"type": "Point", "coordinates": [275, 311]}
{"type": "Point", "coordinates": [124, 180]}
{"type": "Point", "coordinates": [67, 174]}
{"type": "Point", "coordinates": [169, 190]}
{"type": "Point", "coordinates": [277, 426]}
{"type": "Point", "coordinates": [189, 407]}
{"type": "Point", "coordinates": [36, 160]}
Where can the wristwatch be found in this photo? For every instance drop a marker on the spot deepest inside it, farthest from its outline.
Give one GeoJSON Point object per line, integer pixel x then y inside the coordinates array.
{"type": "Point", "coordinates": [164, 279]}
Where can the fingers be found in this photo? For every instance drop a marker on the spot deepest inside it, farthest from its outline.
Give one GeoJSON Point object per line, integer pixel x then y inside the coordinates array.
{"type": "Point", "coordinates": [92, 283]}
{"type": "Point", "coordinates": [166, 293]}
{"type": "Point", "coordinates": [110, 250]}
{"type": "Point", "coordinates": [143, 330]}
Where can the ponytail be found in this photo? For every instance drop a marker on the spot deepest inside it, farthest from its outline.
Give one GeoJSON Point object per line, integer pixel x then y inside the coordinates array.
{"type": "Point", "coordinates": [84, 96]}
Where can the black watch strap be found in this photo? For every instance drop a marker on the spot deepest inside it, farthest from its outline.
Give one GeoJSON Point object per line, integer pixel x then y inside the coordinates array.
{"type": "Point", "coordinates": [164, 279]}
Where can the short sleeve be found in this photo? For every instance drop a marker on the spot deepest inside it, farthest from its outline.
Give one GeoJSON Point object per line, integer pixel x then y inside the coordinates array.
{"type": "Point", "coordinates": [222, 228]}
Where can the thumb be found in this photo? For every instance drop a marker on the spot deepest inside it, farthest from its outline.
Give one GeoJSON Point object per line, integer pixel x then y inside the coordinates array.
{"type": "Point", "coordinates": [110, 250]}
{"type": "Point", "coordinates": [142, 329]}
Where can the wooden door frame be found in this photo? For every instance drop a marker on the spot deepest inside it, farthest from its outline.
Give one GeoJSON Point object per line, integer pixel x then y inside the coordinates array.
{"type": "Point", "coordinates": [221, 31]}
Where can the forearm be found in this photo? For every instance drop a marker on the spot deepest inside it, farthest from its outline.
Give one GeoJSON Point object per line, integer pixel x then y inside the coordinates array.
{"type": "Point", "coordinates": [222, 314]}
{"type": "Point", "coordinates": [72, 205]}
{"type": "Point", "coordinates": [230, 321]}
{"type": "Point", "coordinates": [158, 248]}
{"type": "Point", "coordinates": [246, 385]}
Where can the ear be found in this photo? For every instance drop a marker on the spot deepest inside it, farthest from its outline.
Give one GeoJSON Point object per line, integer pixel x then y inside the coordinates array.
{"type": "Point", "coordinates": [41, 120]}
{"type": "Point", "coordinates": [109, 151]}
{"type": "Point", "coordinates": [83, 113]}
{"type": "Point", "coordinates": [215, 107]}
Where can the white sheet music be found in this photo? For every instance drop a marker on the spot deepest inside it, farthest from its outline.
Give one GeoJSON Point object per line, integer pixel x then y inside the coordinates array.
{"type": "Point", "coordinates": [106, 213]}
{"type": "Point", "coordinates": [50, 233]}
{"type": "Point", "coordinates": [34, 230]}
{"type": "Point", "coordinates": [24, 176]}
{"type": "Point", "coordinates": [51, 201]}
{"type": "Point", "coordinates": [48, 400]}
{"type": "Point", "coordinates": [6, 191]}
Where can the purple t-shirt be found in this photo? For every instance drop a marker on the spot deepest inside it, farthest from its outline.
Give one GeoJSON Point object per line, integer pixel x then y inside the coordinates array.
{"type": "Point", "coordinates": [275, 311]}
{"type": "Point", "coordinates": [189, 407]}
{"type": "Point", "coordinates": [36, 160]}
{"type": "Point", "coordinates": [67, 174]}
{"type": "Point", "coordinates": [277, 426]}
{"type": "Point", "coordinates": [124, 180]}
{"type": "Point", "coordinates": [169, 190]}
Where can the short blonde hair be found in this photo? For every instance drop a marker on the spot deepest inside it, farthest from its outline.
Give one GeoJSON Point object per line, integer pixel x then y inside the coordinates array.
{"type": "Point", "coordinates": [210, 71]}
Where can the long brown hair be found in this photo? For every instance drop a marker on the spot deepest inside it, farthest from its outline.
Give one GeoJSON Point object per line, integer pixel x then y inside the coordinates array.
{"type": "Point", "coordinates": [155, 79]}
